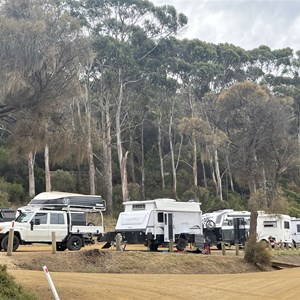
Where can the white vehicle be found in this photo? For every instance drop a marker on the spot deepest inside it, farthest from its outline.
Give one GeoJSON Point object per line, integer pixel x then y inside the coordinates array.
{"type": "Point", "coordinates": [295, 230]}
{"type": "Point", "coordinates": [158, 221]}
{"type": "Point", "coordinates": [35, 223]}
{"type": "Point", "coordinates": [274, 227]}
{"type": "Point", "coordinates": [226, 226]}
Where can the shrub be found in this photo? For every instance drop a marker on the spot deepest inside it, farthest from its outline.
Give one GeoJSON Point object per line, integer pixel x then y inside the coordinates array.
{"type": "Point", "coordinates": [10, 193]}
{"type": "Point", "coordinates": [63, 181]}
{"type": "Point", "coordinates": [257, 253]}
{"type": "Point", "coordinates": [9, 289]}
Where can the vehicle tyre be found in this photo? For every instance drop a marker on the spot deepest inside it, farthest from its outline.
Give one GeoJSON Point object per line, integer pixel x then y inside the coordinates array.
{"type": "Point", "coordinates": [4, 243]}
{"type": "Point", "coordinates": [181, 244]}
{"type": "Point", "coordinates": [61, 247]}
{"type": "Point", "coordinates": [210, 225]}
{"type": "Point", "coordinates": [153, 247]}
{"type": "Point", "coordinates": [90, 224]}
{"type": "Point", "coordinates": [219, 246]}
{"type": "Point", "coordinates": [74, 243]}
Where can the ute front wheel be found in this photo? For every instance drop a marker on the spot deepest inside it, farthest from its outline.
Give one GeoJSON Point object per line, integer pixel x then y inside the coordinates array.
{"type": "Point", "coordinates": [74, 243]}
{"type": "Point", "coordinates": [4, 243]}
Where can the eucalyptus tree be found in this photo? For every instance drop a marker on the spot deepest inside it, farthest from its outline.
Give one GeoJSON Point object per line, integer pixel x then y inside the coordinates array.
{"type": "Point", "coordinates": [126, 35]}
{"type": "Point", "coordinates": [37, 58]}
{"type": "Point", "coordinates": [257, 127]}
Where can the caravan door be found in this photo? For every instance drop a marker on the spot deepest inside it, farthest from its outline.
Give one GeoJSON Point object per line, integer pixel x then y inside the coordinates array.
{"type": "Point", "coordinates": [295, 224]}
{"type": "Point", "coordinates": [168, 227]}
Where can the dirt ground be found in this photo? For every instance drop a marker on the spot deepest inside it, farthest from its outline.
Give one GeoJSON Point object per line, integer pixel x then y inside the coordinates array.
{"type": "Point", "coordinates": [94, 274]}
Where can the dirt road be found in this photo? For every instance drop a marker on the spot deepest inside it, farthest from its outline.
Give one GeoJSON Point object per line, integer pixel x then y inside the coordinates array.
{"type": "Point", "coordinates": [282, 284]}
{"type": "Point", "coordinates": [73, 285]}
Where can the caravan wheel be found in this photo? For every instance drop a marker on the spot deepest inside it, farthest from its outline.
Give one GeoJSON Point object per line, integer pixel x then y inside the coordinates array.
{"type": "Point", "coordinates": [181, 244]}
{"type": "Point", "coordinates": [153, 247]}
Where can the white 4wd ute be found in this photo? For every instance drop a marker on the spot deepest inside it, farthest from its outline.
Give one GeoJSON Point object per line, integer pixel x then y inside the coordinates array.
{"type": "Point", "coordinates": [36, 224]}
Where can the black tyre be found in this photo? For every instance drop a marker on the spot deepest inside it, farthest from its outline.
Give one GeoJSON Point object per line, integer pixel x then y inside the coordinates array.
{"type": "Point", "coordinates": [4, 243]}
{"type": "Point", "coordinates": [74, 243]}
{"type": "Point", "coordinates": [61, 247]}
{"type": "Point", "coordinates": [181, 244]}
{"type": "Point", "coordinates": [90, 224]}
{"type": "Point", "coordinates": [219, 246]}
{"type": "Point", "coordinates": [153, 247]}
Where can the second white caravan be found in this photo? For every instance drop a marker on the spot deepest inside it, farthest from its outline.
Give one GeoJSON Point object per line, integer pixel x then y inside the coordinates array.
{"type": "Point", "coordinates": [274, 227]}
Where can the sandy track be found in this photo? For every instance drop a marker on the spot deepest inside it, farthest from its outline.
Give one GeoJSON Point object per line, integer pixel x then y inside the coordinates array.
{"type": "Point", "coordinates": [282, 284]}
{"type": "Point", "coordinates": [267, 285]}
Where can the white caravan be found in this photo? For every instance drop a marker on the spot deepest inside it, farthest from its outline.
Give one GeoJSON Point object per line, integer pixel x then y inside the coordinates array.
{"type": "Point", "coordinates": [274, 227]}
{"type": "Point", "coordinates": [158, 221]}
{"type": "Point", "coordinates": [235, 227]}
{"type": "Point", "coordinates": [227, 226]}
{"type": "Point", "coordinates": [295, 230]}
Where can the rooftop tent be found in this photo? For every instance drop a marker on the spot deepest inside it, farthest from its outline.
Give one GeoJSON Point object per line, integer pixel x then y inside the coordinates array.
{"type": "Point", "coordinates": [68, 199]}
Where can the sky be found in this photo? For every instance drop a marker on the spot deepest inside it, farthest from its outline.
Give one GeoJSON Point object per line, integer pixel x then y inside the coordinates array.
{"type": "Point", "coordinates": [244, 23]}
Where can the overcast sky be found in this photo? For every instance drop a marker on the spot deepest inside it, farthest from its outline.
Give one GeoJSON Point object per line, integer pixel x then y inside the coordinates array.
{"type": "Point", "coordinates": [244, 23]}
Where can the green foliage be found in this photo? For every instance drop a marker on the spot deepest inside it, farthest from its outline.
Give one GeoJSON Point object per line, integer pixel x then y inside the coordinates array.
{"type": "Point", "coordinates": [63, 181]}
{"type": "Point", "coordinates": [197, 193]}
{"type": "Point", "coordinates": [10, 193]}
{"type": "Point", "coordinates": [291, 193]}
{"type": "Point", "coordinates": [257, 253]}
{"type": "Point", "coordinates": [9, 289]}
{"type": "Point", "coordinates": [236, 202]}
{"type": "Point", "coordinates": [134, 191]}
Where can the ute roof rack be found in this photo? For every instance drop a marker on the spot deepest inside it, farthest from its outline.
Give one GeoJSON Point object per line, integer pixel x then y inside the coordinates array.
{"type": "Point", "coordinates": [70, 201]}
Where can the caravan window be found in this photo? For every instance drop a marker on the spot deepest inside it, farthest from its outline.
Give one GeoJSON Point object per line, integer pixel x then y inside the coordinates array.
{"type": "Point", "coordinates": [270, 224]}
{"type": "Point", "coordinates": [160, 217]}
{"type": "Point", "coordinates": [298, 227]}
{"type": "Point", "coordinates": [138, 206]}
{"type": "Point", "coordinates": [286, 225]}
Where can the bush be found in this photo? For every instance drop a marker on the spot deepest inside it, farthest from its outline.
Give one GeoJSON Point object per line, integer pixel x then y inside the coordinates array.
{"type": "Point", "coordinates": [9, 289]}
{"type": "Point", "coordinates": [257, 253]}
{"type": "Point", "coordinates": [10, 193]}
{"type": "Point", "coordinates": [63, 181]}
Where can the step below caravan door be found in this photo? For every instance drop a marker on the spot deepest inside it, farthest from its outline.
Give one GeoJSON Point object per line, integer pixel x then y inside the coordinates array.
{"type": "Point", "coordinates": [168, 227]}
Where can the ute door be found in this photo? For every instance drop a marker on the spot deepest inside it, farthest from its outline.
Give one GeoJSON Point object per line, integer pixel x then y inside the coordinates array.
{"type": "Point", "coordinates": [168, 227]}
{"type": "Point", "coordinates": [38, 230]}
{"type": "Point", "coordinates": [58, 224]}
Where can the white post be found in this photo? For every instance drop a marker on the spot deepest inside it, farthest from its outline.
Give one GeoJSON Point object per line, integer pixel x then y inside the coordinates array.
{"type": "Point", "coordinates": [53, 289]}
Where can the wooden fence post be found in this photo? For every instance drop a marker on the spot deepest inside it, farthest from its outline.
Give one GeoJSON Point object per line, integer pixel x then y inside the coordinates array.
{"type": "Point", "coordinates": [118, 242]}
{"type": "Point", "coordinates": [223, 248]}
{"type": "Point", "coordinates": [171, 246]}
{"type": "Point", "coordinates": [237, 249]}
{"type": "Point", "coordinates": [53, 242]}
{"type": "Point", "coordinates": [10, 243]}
